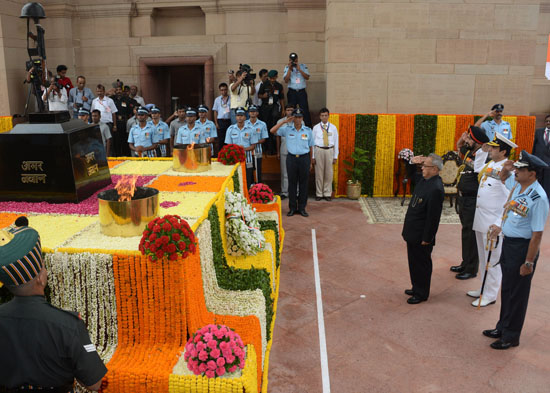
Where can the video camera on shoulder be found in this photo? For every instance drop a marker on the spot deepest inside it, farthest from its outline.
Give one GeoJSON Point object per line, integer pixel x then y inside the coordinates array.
{"type": "Point", "coordinates": [36, 65]}
{"type": "Point", "coordinates": [249, 75]}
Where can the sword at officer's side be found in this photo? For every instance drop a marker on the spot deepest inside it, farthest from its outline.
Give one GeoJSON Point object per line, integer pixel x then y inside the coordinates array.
{"type": "Point", "coordinates": [490, 245]}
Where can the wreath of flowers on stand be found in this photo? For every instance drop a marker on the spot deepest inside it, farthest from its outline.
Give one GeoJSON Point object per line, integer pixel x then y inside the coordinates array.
{"type": "Point", "coordinates": [231, 154]}
{"type": "Point", "coordinates": [406, 154]}
{"type": "Point", "coordinates": [214, 350]}
{"type": "Point", "coordinates": [167, 237]}
{"type": "Point", "coordinates": [244, 236]}
{"type": "Point", "coordinates": [260, 193]}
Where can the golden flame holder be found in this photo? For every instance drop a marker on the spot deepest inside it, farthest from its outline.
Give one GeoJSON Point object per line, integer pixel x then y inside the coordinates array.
{"type": "Point", "coordinates": [196, 159]}
{"type": "Point", "coordinates": [129, 218]}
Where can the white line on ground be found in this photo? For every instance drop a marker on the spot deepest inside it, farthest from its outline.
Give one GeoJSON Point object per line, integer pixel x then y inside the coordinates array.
{"type": "Point", "coordinates": [320, 317]}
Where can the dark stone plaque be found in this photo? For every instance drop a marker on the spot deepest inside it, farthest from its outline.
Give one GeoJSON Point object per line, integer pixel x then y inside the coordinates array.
{"type": "Point", "coordinates": [53, 162]}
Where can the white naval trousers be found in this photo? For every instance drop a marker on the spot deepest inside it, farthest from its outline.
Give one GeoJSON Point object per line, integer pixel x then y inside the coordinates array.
{"type": "Point", "coordinates": [494, 274]}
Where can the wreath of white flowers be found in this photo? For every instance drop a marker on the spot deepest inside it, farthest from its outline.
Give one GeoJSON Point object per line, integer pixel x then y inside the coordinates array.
{"type": "Point", "coordinates": [242, 226]}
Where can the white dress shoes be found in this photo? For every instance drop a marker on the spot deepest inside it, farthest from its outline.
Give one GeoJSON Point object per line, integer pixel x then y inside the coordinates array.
{"type": "Point", "coordinates": [484, 302]}
{"type": "Point", "coordinates": [473, 293]}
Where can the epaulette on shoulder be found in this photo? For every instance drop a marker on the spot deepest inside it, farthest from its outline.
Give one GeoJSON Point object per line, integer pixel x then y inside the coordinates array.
{"type": "Point", "coordinates": [534, 195]}
{"type": "Point", "coordinates": [73, 314]}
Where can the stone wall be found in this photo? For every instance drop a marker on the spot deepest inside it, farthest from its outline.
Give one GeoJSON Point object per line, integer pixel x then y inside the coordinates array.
{"type": "Point", "coordinates": [434, 56]}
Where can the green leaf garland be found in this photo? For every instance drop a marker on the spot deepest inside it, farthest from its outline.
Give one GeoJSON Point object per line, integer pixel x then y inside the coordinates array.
{"type": "Point", "coordinates": [425, 129]}
{"type": "Point", "coordinates": [365, 138]}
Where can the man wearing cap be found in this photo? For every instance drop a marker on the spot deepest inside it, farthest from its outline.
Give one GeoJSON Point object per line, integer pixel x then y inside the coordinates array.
{"type": "Point", "coordinates": [260, 131]}
{"type": "Point", "coordinates": [296, 74]}
{"type": "Point", "coordinates": [208, 129]}
{"type": "Point", "coordinates": [44, 348]}
{"type": "Point", "coordinates": [105, 132]}
{"type": "Point", "coordinates": [243, 135]}
{"type": "Point", "coordinates": [222, 113]}
{"type": "Point", "coordinates": [420, 227]}
{"type": "Point", "coordinates": [80, 97]}
{"type": "Point", "coordinates": [541, 149]}
{"type": "Point", "coordinates": [467, 184]}
{"type": "Point", "coordinates": [190, 132]}
{"type": "Point", "coordinates": [175, 125]}
{"type": "Point", "coordinates": [282, 151]}
{"type": "Point", "coordinates": [140, 138]}
{"type": "Point", "coordinates": [299, 142]}
{"type": "Point", "coordinates": [495, 125]}
{"type": "Point", "coordinates": [161, 136]}
{"type": "Point", "coordinates": [523, 222]}
{"type": "Point", "coordinates": [272, 95]}
{"type": "Point", "coordinates": [84, 115]}
{"type": "Point", "coordinates": [491, 197]}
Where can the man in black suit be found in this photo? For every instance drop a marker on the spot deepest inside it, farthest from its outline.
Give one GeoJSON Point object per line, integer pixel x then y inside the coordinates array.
{"type": "Point", "coordinates": [420, 227]}
{"type": "Point", "coordinates": [541, 149]}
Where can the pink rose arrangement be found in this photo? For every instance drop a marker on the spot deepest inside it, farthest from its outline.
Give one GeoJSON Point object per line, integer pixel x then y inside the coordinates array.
{"type": "Point", "coordinates": [260, 193]}
{"type": "Point", "coordinates": [214, 350]}
{"type": "Point", "coordinates": [167, 237]}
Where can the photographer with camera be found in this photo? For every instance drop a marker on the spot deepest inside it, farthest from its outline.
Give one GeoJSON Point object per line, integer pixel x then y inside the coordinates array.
{"type": "Point", "coordinates": [242, 90]}
{"type": "Point", "coordinates": [80, 97]}
{"type": "Point", "coordinates": [296, 75]}
{"type": "Point", "coordinates": [56, 95]}
{"type": "Point", "coordinates": [272, 97]}
{"type": "Point", "coordinates": [64, 80]}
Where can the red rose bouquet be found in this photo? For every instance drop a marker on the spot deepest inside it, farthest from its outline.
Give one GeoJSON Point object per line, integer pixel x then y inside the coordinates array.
{"type": "Point", "coordinates": [231, 154]}
{"type": "Point", "coordinates": [214, 350]}
{"type": "Point", "coordinates": [260, 193]}
{"type": "Point", "coordinates": [167, 237]}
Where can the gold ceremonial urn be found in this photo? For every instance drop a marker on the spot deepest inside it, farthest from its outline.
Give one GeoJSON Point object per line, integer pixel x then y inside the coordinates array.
{"type": "Point", "coordinates": [192, 158]}
{"type": "Point", "coordinates": [127, 218]}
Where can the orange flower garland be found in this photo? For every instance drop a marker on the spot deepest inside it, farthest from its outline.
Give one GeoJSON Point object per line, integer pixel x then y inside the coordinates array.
{"type": "Point", "coordinates": [112, 163]}
{"type": "Point", "coordinates": [152, 326]}
{"type": "Point", "coordinates": [6, 219]}
{"type": "Point", "coordinates": [525, 133]}
{"type": "Point", "coordinates": [404, 129]}
{"type": "Point", "coordinates": [462, 124]}
{"type": "Point", "coordinates": [346, 136]}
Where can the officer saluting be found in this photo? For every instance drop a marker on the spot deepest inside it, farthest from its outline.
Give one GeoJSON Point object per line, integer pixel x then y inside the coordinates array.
{"type": "Point", "coordinates": [243, 135]}
{"type": "Point", "coordinates": [299, 141]}
{"type": "Point", "coordinates": [523, 222]}
{"type": "Point", "coordinates": [43, 347]}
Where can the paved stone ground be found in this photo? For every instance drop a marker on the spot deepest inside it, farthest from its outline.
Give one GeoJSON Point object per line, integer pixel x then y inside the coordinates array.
{"type": "Point", "coordinates": [380, 343]}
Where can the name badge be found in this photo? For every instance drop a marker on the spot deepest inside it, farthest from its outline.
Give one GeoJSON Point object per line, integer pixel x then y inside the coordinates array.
{"type": "Point", "coordinates": [276, 92]}
{"type": "Point", "coordinates": [330, 134]}
{"type": "Point", "coordinates": [123, 104]}
{"type": "Point", "coordinates": [270, 101]}
{"type": "Point", "coordinates": [234, 135]}
{"type": "Point", "coordinates": [247, 135]}
{"type": "Point", "coordinates": [304, 137]}
{"type": "Point", "coordinates": [291, 135]}
{"type": "Point", "coordinates": [297, 81]}
{"type": "Point", "coordinates": [226, 109]}
{"type": "Point", "coordinates": [197, 136]}
{"type": "Point", "coordinates": [258, 130]}
{"type": "Point", "coordinates": [147, 135]}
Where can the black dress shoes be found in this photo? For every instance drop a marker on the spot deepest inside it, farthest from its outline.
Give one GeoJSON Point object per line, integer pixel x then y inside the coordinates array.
{"type": "Point", "coordinates": [409, 292]}
{"type": "Point", "coordinates": [303, 213]}
{"type": "Point", "coordinates": [457, 269]}
{"type": "Point", "coordinates": [318, 198]}
{"type": "Point", "coordinates": [499, 344]}
{"type": "Point", "coordinates": [415, 300]}
{"type": "Point", "coordinates": [283, 197]}
{"type": "Point", "coordinates": [328, 199]}
{"type": "Point", "coordinates": [492, 333]}
{"type": "Point", "coordinates": [465, 276]}
{"type": "Point", "coordinates": [291, 213]}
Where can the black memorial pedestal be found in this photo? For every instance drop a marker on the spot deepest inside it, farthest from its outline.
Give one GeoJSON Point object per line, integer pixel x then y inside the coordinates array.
{"type": "Point", "coordinates": [52, 158]}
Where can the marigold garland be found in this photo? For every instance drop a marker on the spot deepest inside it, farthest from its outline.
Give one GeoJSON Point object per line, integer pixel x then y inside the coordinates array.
{"type": "Point", "coordinates": [525, 133]}
{"type": "Point", "coordinates": [334, 118]}
{"type": "Point", "coordinates": [445, 136]}
{"type": "Point", "coordinates": [346, 137]}
{"type": "Point", "coordinates": [404, 129]}
{"type": "Point", "coordinates": [190, 183]}
{"type": "Point", "coordinates": [385, 156]}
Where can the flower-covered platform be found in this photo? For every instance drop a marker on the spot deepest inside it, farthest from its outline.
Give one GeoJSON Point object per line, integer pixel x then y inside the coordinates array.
{"type": "Point", "coordinates": [140, 313]}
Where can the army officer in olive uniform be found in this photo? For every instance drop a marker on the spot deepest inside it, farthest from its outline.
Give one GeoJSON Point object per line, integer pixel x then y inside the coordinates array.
{"type": "Point", "coordinates": [43, 347]}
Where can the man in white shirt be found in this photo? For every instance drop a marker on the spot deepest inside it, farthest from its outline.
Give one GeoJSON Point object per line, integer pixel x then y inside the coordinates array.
{"type": "Point", "coordinates": [106, 107]}
{"type": "Point", "coordinates": [56, 95]}
{"type": "Point", "coordinates": [222, 113]}
{"type": "Point", "coordinates": [241, 93]}
{"type": "Point", "coordinates": [325, 154]}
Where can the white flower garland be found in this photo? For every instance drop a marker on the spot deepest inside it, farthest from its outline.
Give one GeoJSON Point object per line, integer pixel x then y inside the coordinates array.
{"type": "Point", "coordinates": [222, 301]}
{"type": "Point", "coordinates": [84, 283]}
{"type": "Point", "coordinates": [242, 227]}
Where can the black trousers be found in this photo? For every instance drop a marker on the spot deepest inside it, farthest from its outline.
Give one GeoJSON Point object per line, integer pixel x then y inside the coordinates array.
{"type": "Point", "coordinates": [249, 177]}
{"type": "Point", "coordinates": [120, 140]}
{"type": "Point", "coordinates": [420, 268]}
{"type": "Point", "coordinates": [224, 125]}
{"type": "Point", "coordinates": [299, 97]}
{"type": "Point", "coordinates": [270, 114]}
{"type": "Point", "coordinates": [514, 295]}
{"type": "Point", "coordinates": [258, 169]}
{"type": "Point", "coordinates": [298, 176]}
{"type": "Point", "coordinates": [466, 213]}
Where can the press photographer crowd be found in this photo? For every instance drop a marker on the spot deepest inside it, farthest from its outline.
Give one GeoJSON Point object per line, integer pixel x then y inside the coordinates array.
{"type": "Point", "coordinates": [251, 110]}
